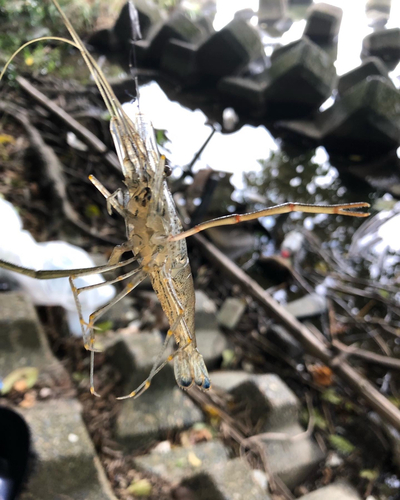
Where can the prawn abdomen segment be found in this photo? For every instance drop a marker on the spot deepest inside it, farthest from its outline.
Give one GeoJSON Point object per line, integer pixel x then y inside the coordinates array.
{"type": "Point", "coordinates": [176, 294]}
{"type": "Point", "coordinates": [189, 368]}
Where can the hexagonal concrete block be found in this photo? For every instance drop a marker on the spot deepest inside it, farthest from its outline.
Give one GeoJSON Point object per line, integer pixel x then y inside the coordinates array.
{"type": "Point", "coordinates": [226, 481]}
{"type": "Point", "coordinates": [323, 22]}
{"type": "Point", "coordinates": [157, 414]}
{"type": "Point", "coordinates": [372, 66]}
{"type": "Point", "coordinates": [270, 402]}
{"type": "Point", "coordinates": [163, 408]}
{"type": "Point", "coordinates": [237, 39]}
{"type": "Point", "coordinates": [335, 491]}
{"type": "Point", "coordinates": [206, 471]}
{"type": "Point", "coordinates": [364, 121]}
{"type": "Point", "coordinates": [180, 463]}
{"type": "Point", "coordinates": [292, 460]}
{"type": "Point", "coordinates": [300, 79]}
{"type": "Point", "coordinates": [66, 463]}
{"type": "Point", "coordinates": [384, 44]}
{"type": "Point", "coordinates": [23, 342]}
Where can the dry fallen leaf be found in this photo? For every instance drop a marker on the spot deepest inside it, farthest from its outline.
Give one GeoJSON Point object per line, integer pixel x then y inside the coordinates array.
{"type": "Point", "coordinates": [194, 460]}
{"type": "Point", "coordinates": [322, 375]}
{"type": "Point", "coordinates": [20, 379]}
{"type": "Point", "coordinates": [29, 400]}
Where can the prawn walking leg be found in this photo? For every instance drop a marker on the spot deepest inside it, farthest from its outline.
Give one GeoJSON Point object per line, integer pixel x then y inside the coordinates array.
{"type": "Point", "coordinates": [77, 291]}
{"type": "Point", "coordinates": [189, 365]}
{"type": "Point", "coordinates": [137, 279]}
{"type": "Point", "coordinates": [285, 208]}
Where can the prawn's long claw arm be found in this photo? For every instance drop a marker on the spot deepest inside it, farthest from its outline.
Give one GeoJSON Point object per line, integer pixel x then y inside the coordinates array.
{"type": "Point", "coordinates": [344, 209]}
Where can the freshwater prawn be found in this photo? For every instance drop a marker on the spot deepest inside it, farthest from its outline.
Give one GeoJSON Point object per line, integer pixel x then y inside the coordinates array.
{"type": "Point", "coordinates": [154, 233]}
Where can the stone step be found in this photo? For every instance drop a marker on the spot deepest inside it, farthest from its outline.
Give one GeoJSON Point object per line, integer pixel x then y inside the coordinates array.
{"type": "Point", "coordinates": [230, 481]}
{"type": "Point", "coordinates": [292, 460]}
{"type": "Point", "coordinates": [206, 471]}
{"type": "Point", "coordinates": [211, 342]}
{"type": "Point", "coordinates": [23, 342]}
{"type": "Point", "coordinates": [270, 401]}
{"type": "Point", "coordinates": [271, 407]}
{"type": "Point", "coordinates": [163, 408]}
{"type": "Point", "coordinates": [157, 414]}
{"type": "Point", "coordinates": [180, 463]}
{"type": "Point", "coordinates": [335, 491]}
{"type": "Point", "coordinates": [66, 464]}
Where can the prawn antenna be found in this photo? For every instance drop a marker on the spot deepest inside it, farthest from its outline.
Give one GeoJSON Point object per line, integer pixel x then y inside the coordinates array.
{"type": "Point", "coordinates": [136, 35]}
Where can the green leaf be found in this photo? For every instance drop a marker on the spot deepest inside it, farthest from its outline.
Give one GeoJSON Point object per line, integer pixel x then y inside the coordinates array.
{"type": "Point", "coordinates": [319, 420]}
{"type": "Point", "coordinates": [384, 293]}
{"type": "Point", "coordinates": [181, 462]}
{"type": "Point", "coordinates": [104, 326]}
{"type": "Point", "coordinates": [370, 474]}
{"type": "Point", "coordinates": [395, 401]}
{"type": "Point", "coordinates": [228, 358]}
{"type": "Point", "coordinates": [140, 488]}
{"type": "Point", "coordinates": [341, 444]}
{"type": "Point", "coordinates": [92, 211]}
{"type": "Point", "coordinates": [27, 373]}
{"type": "Point", "coordinates": [79, 376]}
{"type": "Point", "coordinates": [332, 396]}
{"type": "Point", "coordinates": [161, 137]}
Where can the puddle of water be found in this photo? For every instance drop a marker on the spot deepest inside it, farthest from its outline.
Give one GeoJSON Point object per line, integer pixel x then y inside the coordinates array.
{"type": "Point", "coordinates": [256, 158]}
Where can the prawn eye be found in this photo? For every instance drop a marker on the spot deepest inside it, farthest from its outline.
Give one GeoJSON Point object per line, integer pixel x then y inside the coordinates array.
{"type": "Point", "coordinates": [167, 170]}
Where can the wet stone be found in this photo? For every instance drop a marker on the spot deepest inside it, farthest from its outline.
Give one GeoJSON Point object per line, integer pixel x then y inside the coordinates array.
{"type": "Point", "coordinates": [205, 23]}
{"type": "Point", "coordinates": [366, 120]}
{"type": "Point", "coordinates": [228, 380]}
{"type": "Point", "coordinates": [226, 481]}
{"type": "Point", "coordinates": [229, 50]}
{"type": "Point", "coordinates": [270, 11]}
{"type": "Point", "coordinates": [163, 408]}
{"type": "Point", "coordinates": [245, 14]}
{"type": "Point", "coordinates": [292, 461]}
{"type": "Point", "coordinates": [381, 5]}
{"type": "Point", "coordinates": [270, 406]}
{"type": "Point", "coordinates": [384, 44]}
{"type": "Point", "coordinates": [206, 311]}
{"type": "Point", "coordinates": [372, 66]}
{"type": "Point", "coordinates": [378, 12]}
{"type": "Point", "coordinates": [23, 342]}
{"type": "Point", "coordinates": [66, 465]}
{"type": "Point", "coordinates": [282, 49]}
{"type": "Point", "coordinates": [231, 312]}
{"type": "Point", "coordinates": [134, 354]}
{"type": "Point", "coordinates": [179, 27]}
{"type": "Point", "coordinates": [308, 306]}
{"type": "Point", "coordinates": [121, 314]}
{"type": "Point", "coordinates": [323, 22]}
{"type": "Point", "coordinates": [271, 402]}
{"type": "Point", "coordinates": [300, 80]}
{"type": "Point", "coordinates": [304, 132]}
{"type": "Point", "coordinates": [149, 15]}
{"type": "Point", "coordinates": [211, 343]}
{"type": "Point", "coordinates": [245, 94]}
{"type": "Point", "coordinates": [155, 415]}
{"type": "Point", "coordinates": [180, 463]}
{"type": "Point", "coordinates": [179, 59]}
{"type": "Point", "coordinates": [285, 341]}
{"type": "Point", "coordinates": [335, 491]}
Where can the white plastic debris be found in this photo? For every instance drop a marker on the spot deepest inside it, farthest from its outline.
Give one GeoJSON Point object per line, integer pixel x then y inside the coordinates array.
{"type": "Point", "coordinates": [229, 119]}
{"type": "Point", "coordinates": [19, 247]}
{"type": "Point", "coordinates": [292, 244]}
